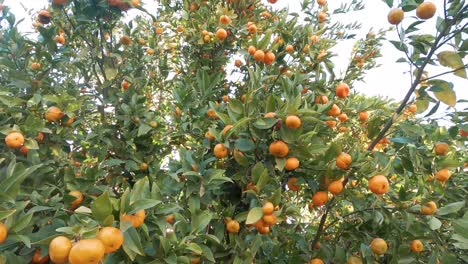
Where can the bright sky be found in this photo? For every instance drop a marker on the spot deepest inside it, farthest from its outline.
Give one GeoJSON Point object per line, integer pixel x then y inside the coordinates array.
{"type": "Point", "coordinates": [388, 80]}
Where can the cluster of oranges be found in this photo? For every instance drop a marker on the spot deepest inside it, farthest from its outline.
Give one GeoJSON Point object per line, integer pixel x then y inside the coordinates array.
{"type": "Point", "coordinates": [63, 250]}
{"type": "Point", "coordinates": [268, 219]}
{"type": "Point", "coordinates": [425, 10]}
{"type": "Point", "coordinates": [259, 55]}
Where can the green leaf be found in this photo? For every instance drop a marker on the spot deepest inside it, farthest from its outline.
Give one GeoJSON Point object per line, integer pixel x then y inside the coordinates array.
{"type": "Point", "coordinates": [195, 248]}
{"type": "Point", "coordinates": [132, 243]}
{"type": "Point", "coordinates": [22, 223]}
{"type": "Point", "coordinates": [6, 213]}
{"type": "Point", "coordinates": [265, 123]}
{"type": "Point", "coordinates": [102, 207]}
{"type": "Point", "coordinates": [453, 60]}
{"type": "Point", "coordinates": [443, 91]}
{"type": "Point", "coordinates": [142, 205]}
{"type": "Point", "coordinates": [434, 223]}
{"type": "Point", "coordinates": [254, 215]}
{"type": "Point", "coordinates": [244, 144]}
{"type": "Point", "coordinates": [143, 129]}
{"type": "Point", "coordinates": [451, 208]}
{"type": "Point", "coordinates": [200, 221]}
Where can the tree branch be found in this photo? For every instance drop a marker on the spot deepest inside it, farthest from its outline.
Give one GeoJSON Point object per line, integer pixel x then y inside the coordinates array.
{"type": "Point", "coordinates": [444, 73]}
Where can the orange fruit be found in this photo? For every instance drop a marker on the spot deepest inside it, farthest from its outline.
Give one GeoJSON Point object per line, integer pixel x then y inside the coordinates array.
{"type": "Point", "coordinates": [378, 246]}
{"type": "Point", "coordinates": [259, 55]}
{"type": "Point", "coordinates": [343, 161]}
{"type": "Point", "coordinates": [292, 184]}
{"type": "Point", "coordinates": [395, 16]}
{"type": "Point", "coordinates": [195, 260]}
{"type": "Point", "coordinates": [14, 140]}
{"type": "Point", "coordinates": [170, 219]}
{"type": "Point", "coordinates": [463, 133]}
{"type": "Point", "coordinates": [336, 187]}
{"type": "Point", "coordinates": [44, 17]}
{"type": "Point", "coordinates": [330, 123]}
{"type": "Point", "coordinates": [270, 115]}
{"type": "Point", "coordinates": [238, 63]}
{"type": "Point", "coordinates": [269, 219]}
{"type": "Point", "coordinates": [334, 110]}
{"type": "Point", "coordinates": [321, 2]}
{"type": "Point", "coordinates": [35, 66]}
{"type": "Point", "coordinates": [268, 208]}
{"type": "Point", "coordinates": [79, 198]}
{"type": "Point", "coordinates": [289, 48]}
{"type": "Point", "coordinates": [150, 51]}
{"type": "Point", "coordinates": [37, 258]}
{"type": "Point", "coordinates": [321, 99]}
{"type": "Point", "coordinates": [125, 40]}
{"type": "Point", "coordinates": [354, 260]}
{"type": "Point", "coordinates": [279, 149]}
{"type": "Point", "coordinates": [60, 39]}
{"type": "Point", "coordinates": [220, 151]}
{"type": "Point", "coordinates": [60, 2]}
{"type": "Point", "coordinates": [125, 85]}
{"type": "Point", "coordinates": [342, 129]}
{"type": "Point", "coordinates": [429, 208]}
{"type": "Point", "coordinates": [269, 58]}
{"type": "Point", "coordinates": [24, 150]}
{"type": "Point", "coordinates": [221, 34]}
{"type": "Point", "coordinates": [59, 249]}
{"type": "Point", "coordinates": [252, 29]}
{"type": "Point", "coordinates": [316, 261]}
{"type": "Point", "coordinates": [342, 90]}
{"type": "Point", "coordinates": [319, 198]}
{"type": "Point", "coordinates": [379, 184]}
{"type": "Point", "coordinates": [212, 113]}
{"type": "Point", "coordinates": [322, 16]}
{"type": "Point", "coordinates": [263, 230]}
{"type": "Point", "coordinates": [209, 136]}
{"type": "Point", "coordinates": [412, 108]}
{"type": "Point", "coordinates": [441, 148]}
{"type": "Point", "coordinates": [252, 50]}
{"type": "Point", "coordinates": [293, 121]}
{"type": "Point", "coordinates": [416, 246]}
{"type": "Point", "coordinates": [137, 219]}
{"type": "Point", "coordinates": [226, 129]}
{"type": "Point", "coordinates": [87, 251]}
{"type": "Point", "coordinates": [224, 20]}
{"type": "Point", "coordinates": [53, 114]}
{"type": "Point", "coordinates": [291, 164]}
{"type": "Point", "coordinates": [233, 227]}
{"type": "Point", "coordinates": [3, 233]}
{"type": "Point", "coordinates": [426, 10]}
{"type": "Point", "coordinates": [363, 116]}
{"type": "Point", "coordinates": [112, 238]}
{"type": "Point", "coordinates": [343, 117]}
{"type": "Point", "coordinates": [69, 121]}
{"type": "Point", "coordinates": [443, 175]}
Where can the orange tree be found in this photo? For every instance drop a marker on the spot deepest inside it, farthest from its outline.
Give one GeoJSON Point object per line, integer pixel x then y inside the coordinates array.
{"type": "Point", "coordinates": [221, 132]}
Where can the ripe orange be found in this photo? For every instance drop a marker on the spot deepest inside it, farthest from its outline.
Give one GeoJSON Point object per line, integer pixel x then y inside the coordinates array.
{"type": "Point", "coordinates": [263, 230]}
{"type": "Point", "coordinates": [69, 121]}
{"type": "Point", "coordinates": [37, 258]}
{"type": "Point", "coordinates": [426, 10]}
{"type": "Point", "coordinates": [220, 151]}
{"type": "Point", "coordinates": [226, 129]}
{"type": "Point", "coordinates": [443, 175]}
{"type": "Point", "coordinates": [268, 208]}
{"type": "Point", "coordinates": [221, 34]}
{"type": "Point", "coordinates": [14, 140]}
{"type": "Point", "coordinates": [59, 2]}
{"type": "Point", "coordinates": [54, 114]}
{"type": "Point", "coordinates": [170, 219]}
{"type": "Point", "coordinates": [463, 133]}
{"type": "Point", "coordinates": [321, 99]}
{"type": "Point", "coordinates": [279, 149]}
{"type": "Point", "coordinates": [89, 251]}
{"type": "Point", "coordinates": [125, 40]}
{"type": "Point", "coordinates": [137, 219]}
{"type": "Point", "coordinates": [150, 51]}
{"type": "Point", "coordinates": [293, 121]}
{"type": "Point", "coordinates": [44, 17]}
{"type": "Point", "coordinates": [343, 161]}
{"type": "Point", "coordinates": [238, 63]}
{"type": "Point", "coordinates": [212, 113]}
{"type": "Point", "coordinates": [321, 2]}
{"type": "Point", "coordinates": [291, 164]}
{"type": "Point", "coordinates": [441, 148]}
{"type": "Point", "coordinates": [3, 233]}
{"type": "Point", "coordinates": [330, 123]}
{"type": "Point", "coordinates": [269, 58]}
{"type": "Point", "coordinates": [252, 29]}
{"type": "Point", "coordinates": [334, 110]}
{"type": "Point", "coordinates": [289, 48]}
{"type": "Point", "coordinates": [416, 246]}
{"type": "Point", "coordinates": [354, 260]}
{"type": "Point", "coordinates": [395, 16]}
{"type": "Point", "coordinates": [336, 187]}
{"type": "Point", "coordinates": [342, 129]}
{"type": "Point", "coordinates": [429, 208]}
{"type": "Point", "coordinates": [252, 50]}
{"type": "Point", "coordinates": [209, 136]}
{"type": "Point", "coordinates": [59, 249]}
{"type": "Point", "coordinates": [343, 117]}
{"type": "Point", "coordinates": [379, 246]}
{"type": "Point", "coordinates": [316, 261]}
{"type": "Point", "coordinates": [125, 85]}
{"type": "Point", "coordinates": [270, 115]}
{"type": "Point", "coordinates": [412, 108]}
{"type": "Point", "coordinates": [342, 90]}
{"type": "Point", "coordinates": [363, 116]}
{"type": "Point", "coordinates": [112, 238]}
{"type": "Point", "coordinates": [24, 150]}
{"type": "Point", "coordinates": [79, 198]}
{"type": "Point", "coordinates": [233, 227]}
{"type": "Point", "coordinates": [224, 20]}
{"type": "Point", "coordinates": [269, 219]}
{"type": "Point", "coordinates": [322, 16]}
{"type": "Point", "coordinates": [292, 185]}
{"type": "Point", "coordinates": [319, 198]}
{"type": "Point", "coordinates": [379, 184]}
{"type": "Point", "coordinates": [60, 39]}
{"type": "Point", "coordinates": [259, 55]}
{"type": "Point", "coordinates": [195, 260]}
